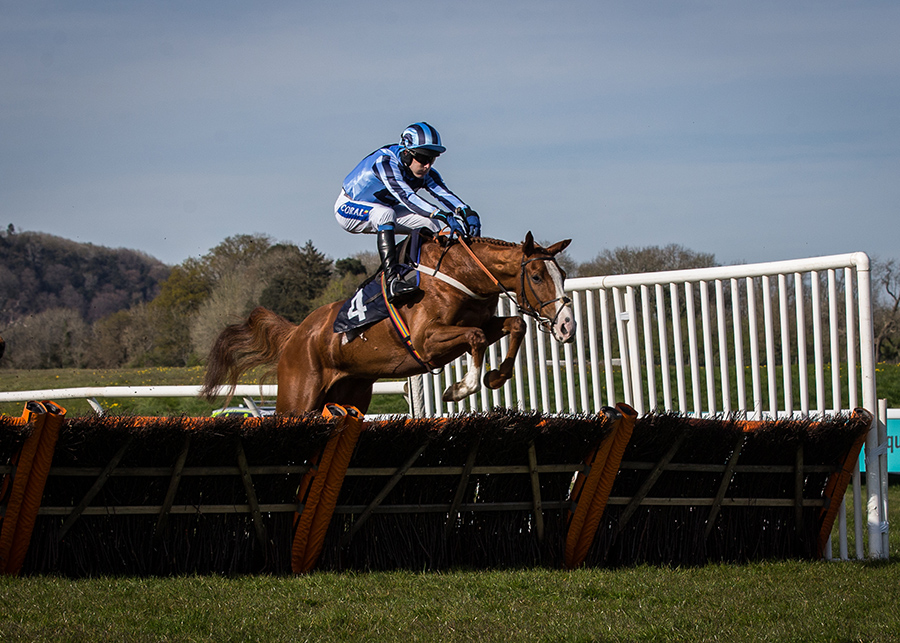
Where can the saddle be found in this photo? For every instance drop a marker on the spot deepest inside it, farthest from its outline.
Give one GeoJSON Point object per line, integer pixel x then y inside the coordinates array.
{"type": "Point", "coordinates": [367, 305]}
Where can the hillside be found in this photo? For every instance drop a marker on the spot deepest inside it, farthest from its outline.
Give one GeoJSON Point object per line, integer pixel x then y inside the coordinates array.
{"type": "Point", "coordinates": [40, 271]}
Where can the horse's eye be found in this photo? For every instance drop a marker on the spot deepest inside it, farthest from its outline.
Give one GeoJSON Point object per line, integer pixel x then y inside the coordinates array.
{"type": "Point", "coordinates": [536, 278]}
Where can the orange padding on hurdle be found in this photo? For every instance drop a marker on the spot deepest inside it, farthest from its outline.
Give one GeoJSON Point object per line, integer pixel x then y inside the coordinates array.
{"type": "Point", "coordinates": [34, 491]}
{"type": "Point", "coordinates": [837, 486]}
{"type": "Point", "coordinates": [36, 414]}
{"type": "Point", "coordinates": [32, 466]}
{"type": "Point", "coordinates": [321, 485]}
{"type": "Point", "coordinates": [595, 489]}
{"type": "Point", "coordinates": [22, 421]}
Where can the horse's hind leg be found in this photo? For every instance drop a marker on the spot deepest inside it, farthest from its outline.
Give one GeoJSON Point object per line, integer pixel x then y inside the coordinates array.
{"type": "Point", "coordinates": [351, 392]}
{"type": "Point", "coordinates": [301, 378]}
{"type": "Point", "coordinates": [298, 395]}
{"type": "Point", "coordinates": [498, 327]}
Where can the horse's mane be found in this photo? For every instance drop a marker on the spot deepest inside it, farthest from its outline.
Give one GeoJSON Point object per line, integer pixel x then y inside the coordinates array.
{"type": "Point", "coordinates": [493, 242]}
{"type": "Point", "coordinates": [485, 240]}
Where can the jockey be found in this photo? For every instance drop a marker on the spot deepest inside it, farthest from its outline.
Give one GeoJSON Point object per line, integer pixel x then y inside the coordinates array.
{"type": "Point", "coordinates": [379, 197]}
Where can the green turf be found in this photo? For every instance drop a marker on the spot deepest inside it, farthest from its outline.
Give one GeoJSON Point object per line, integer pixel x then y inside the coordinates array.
{"type": "Point", "coordinates": [785, 601]}
{"type": "Point", "coordinates": [766, 601]}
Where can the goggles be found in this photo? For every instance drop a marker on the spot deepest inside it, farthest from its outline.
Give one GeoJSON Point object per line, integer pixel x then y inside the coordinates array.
{"type": "Point", "coordinates": [424, 159]}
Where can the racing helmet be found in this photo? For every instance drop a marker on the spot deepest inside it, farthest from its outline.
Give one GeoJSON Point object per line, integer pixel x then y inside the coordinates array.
{"type": "Point", "coordinates": [421, 137]}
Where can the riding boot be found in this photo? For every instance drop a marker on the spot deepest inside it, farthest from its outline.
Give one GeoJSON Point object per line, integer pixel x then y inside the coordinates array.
{"type": "Point", "coordinates": [395, 287]}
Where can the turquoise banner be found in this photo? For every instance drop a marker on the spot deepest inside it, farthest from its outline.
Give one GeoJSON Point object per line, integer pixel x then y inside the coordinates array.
{"type": "Point", "coordinates": [893, 447]}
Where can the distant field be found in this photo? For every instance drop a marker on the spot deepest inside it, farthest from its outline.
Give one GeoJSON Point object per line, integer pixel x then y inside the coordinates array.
{"type": "Point", "coordinates": [20, 380]}
{"type": "Point", "coordinates": [887, 377]}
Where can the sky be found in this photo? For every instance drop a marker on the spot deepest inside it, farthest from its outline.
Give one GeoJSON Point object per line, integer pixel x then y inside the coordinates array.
{"type": "Point", "coordinates": [756, 131]}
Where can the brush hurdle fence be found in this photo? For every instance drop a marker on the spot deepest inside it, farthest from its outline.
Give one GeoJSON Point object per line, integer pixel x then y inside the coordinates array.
{"type": "Point", "coordinates": [757, 341]}
{"type": "Point", "coordinates": [718, 395]}
{"type": "Point", "coordinates": [138, 496]}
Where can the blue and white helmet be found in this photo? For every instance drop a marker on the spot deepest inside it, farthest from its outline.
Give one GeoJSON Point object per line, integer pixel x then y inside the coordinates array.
{"type": "Point", "coordinates": [421, 136]}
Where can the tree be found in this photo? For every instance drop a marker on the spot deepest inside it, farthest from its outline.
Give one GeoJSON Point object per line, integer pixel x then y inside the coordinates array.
{"type": "Point", "coordinates": [55, 338]}
{"type": "Point", "coordinates": [235, 253]}
{"type": "Point", "coordinates": [291, 291]}
{"type": "Point", "coordinates": [186, 287]}
{"type": "Point", "coordinates": [231, 301]}
{"type": "Point", "coordinates": [349, 266]}
{"type": "Point", "coordinates": [201, 294]}
{"type": "Point", "coordinates": [179, 299]}
{"type": "Point", "coordinates": [124, 338]}
{"type": "Point", "coordinates": [886, 292]}
{"type": "Point", "coordinates": [41, 271]}
{"type": "Point", "coordinates": [628, 260]}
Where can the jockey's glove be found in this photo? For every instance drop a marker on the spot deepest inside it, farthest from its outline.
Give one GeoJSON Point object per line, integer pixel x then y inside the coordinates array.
{"type": "Point", "coordinates": [473, 221]}
{"type": "Point", "coordinates": [456, 224]}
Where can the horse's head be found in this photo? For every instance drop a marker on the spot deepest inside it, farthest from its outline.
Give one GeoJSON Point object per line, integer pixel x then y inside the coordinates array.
{"type": "Point", "coordinates": [542, 289]}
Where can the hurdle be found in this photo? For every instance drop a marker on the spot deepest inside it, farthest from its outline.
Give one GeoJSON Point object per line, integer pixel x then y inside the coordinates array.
{"type": "Point", "coordinates": [331, 491]}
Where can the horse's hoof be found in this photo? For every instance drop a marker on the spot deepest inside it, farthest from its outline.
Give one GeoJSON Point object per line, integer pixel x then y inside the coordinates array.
{"type": "Point", "coordinates": [452, 394]}
{"type": "Point", "coordinates": [493, 379]}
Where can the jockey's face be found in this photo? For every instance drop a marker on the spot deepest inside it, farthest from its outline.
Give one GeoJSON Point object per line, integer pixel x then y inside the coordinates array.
{"type": "Point", "coordinates": [418, 168]}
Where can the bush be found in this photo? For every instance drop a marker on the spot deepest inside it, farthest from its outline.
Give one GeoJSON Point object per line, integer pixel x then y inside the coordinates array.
{"type": "Point", "coordinates": [55, 338]}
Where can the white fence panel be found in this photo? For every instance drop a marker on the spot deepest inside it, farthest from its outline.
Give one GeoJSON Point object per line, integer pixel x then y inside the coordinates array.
{"type": "Point", "coordinates": [749, 332]}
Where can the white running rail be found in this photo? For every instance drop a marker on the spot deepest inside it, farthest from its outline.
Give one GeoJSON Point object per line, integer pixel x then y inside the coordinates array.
{"type": "Point", "coordinates": [268, 391]}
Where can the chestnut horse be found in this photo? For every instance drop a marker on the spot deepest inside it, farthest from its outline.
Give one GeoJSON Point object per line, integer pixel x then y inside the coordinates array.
{"type": "Point", "coordinates": [454, 313]}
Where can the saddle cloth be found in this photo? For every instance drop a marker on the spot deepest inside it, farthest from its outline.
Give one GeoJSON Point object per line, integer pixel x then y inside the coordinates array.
{"type": "Point", "coordinates": [367, 305]}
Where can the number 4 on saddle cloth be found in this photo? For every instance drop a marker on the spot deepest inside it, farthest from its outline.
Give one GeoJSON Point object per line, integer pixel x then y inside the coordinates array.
{"type": "Point", "coordinates": [367, 305]}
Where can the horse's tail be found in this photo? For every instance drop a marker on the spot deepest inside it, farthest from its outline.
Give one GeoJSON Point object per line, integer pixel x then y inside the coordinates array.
{"type": "Point", "coordinates": [256, 342]}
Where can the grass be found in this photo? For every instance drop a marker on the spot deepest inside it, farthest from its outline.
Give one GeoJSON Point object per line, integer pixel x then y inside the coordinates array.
{"type": "Point", "coordinates": [784, 601]}
{"type": "Point", "coordinates": [27, 380]}
{"type": "Point", "coordinates": [887, 383]}
{"type": "Point", "coordinates": [763, 601]}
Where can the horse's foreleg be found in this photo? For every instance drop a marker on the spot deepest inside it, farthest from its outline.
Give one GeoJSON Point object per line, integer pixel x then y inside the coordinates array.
{"type": "Point", "coordinates": [498, 327]}
{"type": "Point", "coordinates": [471, 383]}
{"type": "Point", "coordinates": [450, 340]}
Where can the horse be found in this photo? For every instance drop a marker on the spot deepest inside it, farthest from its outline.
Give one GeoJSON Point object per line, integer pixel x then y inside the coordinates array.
{"type": "Point", "coordinates": [453, 313]}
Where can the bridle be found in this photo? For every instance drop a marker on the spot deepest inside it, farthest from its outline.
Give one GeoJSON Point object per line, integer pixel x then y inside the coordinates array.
{"type": "Point", "coordinates": [543, 322]}
{"type": "Point", "coordinates": [546, 324]}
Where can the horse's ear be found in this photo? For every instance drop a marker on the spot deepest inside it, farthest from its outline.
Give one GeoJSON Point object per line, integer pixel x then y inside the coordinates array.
{"type": "Point", "coordinates": [528, 244]}
{"type": "Point", "coordinates": [556, 248]}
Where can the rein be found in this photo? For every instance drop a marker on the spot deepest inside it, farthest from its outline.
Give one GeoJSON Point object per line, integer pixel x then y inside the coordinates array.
{"type": "Point", "coordinates": [544, 323]}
